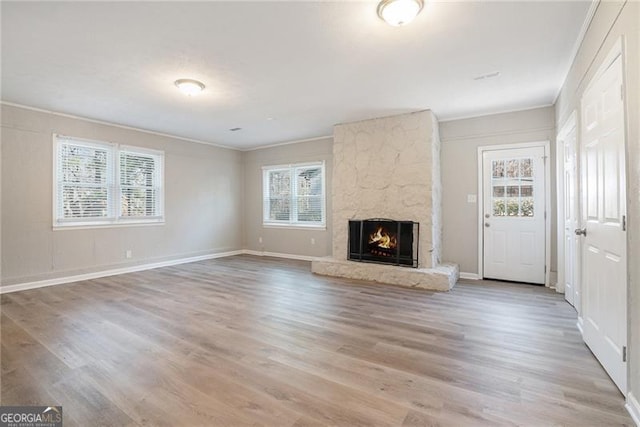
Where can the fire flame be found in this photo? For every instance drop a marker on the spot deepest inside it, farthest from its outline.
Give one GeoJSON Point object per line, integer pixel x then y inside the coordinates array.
{"type": "Point", "coordinates": [383, 239]}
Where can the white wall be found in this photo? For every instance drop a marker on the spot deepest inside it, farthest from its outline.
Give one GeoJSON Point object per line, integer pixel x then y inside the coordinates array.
{"type": "Point", "coordinates": [203, 196]}
{"type": "Point", "coordinates": [611, 21]}
{"type": "Point", "coordinates": [460, 142]}
{"type": "Point", "coordinates": [295, 241]}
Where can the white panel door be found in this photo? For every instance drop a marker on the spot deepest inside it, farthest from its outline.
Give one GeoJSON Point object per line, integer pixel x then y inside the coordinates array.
{"type": "Point", "coordinates": [571, 221]}
{"type": "Point", "coordinates": [513, 214]}
{"type": "Point", "coordinates": [604, 263]}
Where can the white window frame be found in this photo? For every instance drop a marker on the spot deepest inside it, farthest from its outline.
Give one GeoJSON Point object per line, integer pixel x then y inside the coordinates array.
{"type": "Point", "coordinates": [293, 212]}
{"type": "Point", "coordinates": [159, 178]}
{"type": "Point", "coordinates": [114, 191]}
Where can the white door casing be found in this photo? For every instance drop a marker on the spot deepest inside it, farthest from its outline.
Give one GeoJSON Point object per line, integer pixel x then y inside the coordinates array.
{"type": "Point", "coordinates": [604, 266]}
{"type": "Point", "coordinates": [513, 214]}
{"type": "Point", "coordinates": [568, 214]}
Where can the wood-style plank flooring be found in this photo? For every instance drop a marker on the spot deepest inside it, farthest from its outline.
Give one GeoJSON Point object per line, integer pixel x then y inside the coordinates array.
{"type": "Point", "coordinates": [259, 341]}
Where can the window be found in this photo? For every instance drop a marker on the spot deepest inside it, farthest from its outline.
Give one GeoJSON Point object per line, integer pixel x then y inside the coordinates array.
{"type": "Point", "coordinates": [139, 179]}
{"type": "Point", "coordinates": [294, 195]}
{"type": "Point", "coordinates": [512, 184]}
{"type": "Point", "coordinates": [99, 183]}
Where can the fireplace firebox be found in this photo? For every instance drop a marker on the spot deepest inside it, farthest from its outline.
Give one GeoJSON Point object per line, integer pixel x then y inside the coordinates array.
{"type": "Point", "coordinates": [384, 241]}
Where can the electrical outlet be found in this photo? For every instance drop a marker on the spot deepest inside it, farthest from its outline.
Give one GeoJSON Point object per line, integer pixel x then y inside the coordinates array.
{"type": "Point", "coordinates": [313, 241]}
{"type": "Point", "coordinates": [472, 198]}
{"type": "Point", "coordinates": [128, 253]}
{"type": "Point", "coordinates": [260, 239]}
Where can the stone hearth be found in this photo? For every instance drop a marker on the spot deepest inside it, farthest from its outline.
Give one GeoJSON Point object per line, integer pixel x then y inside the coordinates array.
{"type": "Point", "coordinates": [389, 168]}
{"type": "Point", "coordinates": [440, 278]}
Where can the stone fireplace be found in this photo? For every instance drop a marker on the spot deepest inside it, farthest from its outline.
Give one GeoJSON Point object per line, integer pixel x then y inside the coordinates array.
{"type": "Point", "coordinates": [388, 168]}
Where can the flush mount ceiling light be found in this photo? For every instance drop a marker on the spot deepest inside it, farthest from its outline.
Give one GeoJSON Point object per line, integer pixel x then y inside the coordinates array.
{"type": "Point", "coordinates": [399, 12]}
{"type": "Point", "coordinates": [190, 87]}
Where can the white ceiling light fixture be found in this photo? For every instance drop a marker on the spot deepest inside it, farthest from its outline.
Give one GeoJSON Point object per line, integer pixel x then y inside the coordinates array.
{"type": "Point", "coordinates": [190, 87]}
{"type": "Point", "coordinates": [399, 12]}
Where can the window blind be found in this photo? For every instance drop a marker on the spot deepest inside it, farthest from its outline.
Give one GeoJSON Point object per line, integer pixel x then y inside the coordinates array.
{"type": "Point", "coordinates": [309, 194]}
{"type": "Point", "coordinates": [139, 185]}
{"type": "Point", "coordinates": [84, 176]}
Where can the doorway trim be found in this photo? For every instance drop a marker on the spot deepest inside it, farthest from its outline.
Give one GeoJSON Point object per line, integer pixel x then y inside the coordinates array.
{"type": "Point", "coordinates": [547, 202]}
{"type": "Point", "coordinates": [569, 124]}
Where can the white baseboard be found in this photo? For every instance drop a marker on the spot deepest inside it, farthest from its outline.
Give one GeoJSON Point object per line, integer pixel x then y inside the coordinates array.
{"type": "Point", "coordinates": [634, 408]}
{"type": "Point", "coordinates": [279, 255]}
{"type": "Point", "coordinates": [579, 325]}
{"type": "Point", "coordinates": [469, 276]}
{"type": "Point", "coordinates": [112, 272]}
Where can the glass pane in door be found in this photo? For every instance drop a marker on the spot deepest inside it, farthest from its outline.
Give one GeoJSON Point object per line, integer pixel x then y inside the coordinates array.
{"type": "Point", "coordinates": [512, 187]}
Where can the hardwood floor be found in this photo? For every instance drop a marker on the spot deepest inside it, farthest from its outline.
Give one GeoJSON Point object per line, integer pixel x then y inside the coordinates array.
{"type": "Point", "coordinates": [259, 341]}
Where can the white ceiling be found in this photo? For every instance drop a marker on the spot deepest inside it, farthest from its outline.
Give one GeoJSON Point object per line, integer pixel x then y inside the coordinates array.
{"type": "Point", "coordinates": [308, 65]}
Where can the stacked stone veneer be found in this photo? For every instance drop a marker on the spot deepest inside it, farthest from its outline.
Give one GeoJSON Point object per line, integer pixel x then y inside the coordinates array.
{"type": "Point", "coordinates": [389, 168]}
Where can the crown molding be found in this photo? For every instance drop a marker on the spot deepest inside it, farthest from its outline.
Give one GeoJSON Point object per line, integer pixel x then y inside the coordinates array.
{"type": "Point", "coordinates": [103, 122]}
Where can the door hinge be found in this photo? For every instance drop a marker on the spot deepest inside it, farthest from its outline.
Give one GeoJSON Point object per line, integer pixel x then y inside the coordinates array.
{"type": "Point", "coordinates": [621, 92]}
{"type": "Point", "coordinates": [624, 223]}
{"type": "Point", "coordinates": [624, 353]}
{"type": "Point", "coordinates": [545, 214]}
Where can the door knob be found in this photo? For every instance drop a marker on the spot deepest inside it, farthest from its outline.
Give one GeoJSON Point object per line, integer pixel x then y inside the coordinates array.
{"type": "Point", "coordinates": [486, 224]}
{"type": "Point", "coordinates": [581, 231]}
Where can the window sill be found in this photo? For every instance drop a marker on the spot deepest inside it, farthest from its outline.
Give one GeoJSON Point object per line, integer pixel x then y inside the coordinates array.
{"type": "Point", "coordinates": [87, 226]}
{"type": "Point", "coordinates": [294, 226]}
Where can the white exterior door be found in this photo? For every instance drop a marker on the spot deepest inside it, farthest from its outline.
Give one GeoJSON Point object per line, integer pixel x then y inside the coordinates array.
{"type": "Point", "coordinates": [514, 214]}
{"type": "Point", "coordinates": [604, 257]}
{"type": "Point", "coordinates": [569, 199]}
